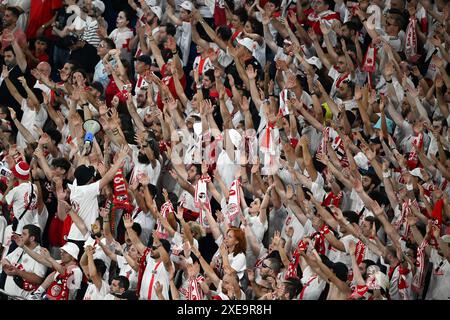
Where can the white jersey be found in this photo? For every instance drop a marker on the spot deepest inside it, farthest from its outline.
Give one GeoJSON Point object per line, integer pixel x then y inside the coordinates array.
{"type": "Point", "coordinates": [84, 202]}
{"type": "Point", "coordinates": [127, 271]}
{"type": "Point", "coordinates": [439, 288]}
{"type": "Point", "coordinates": [20, 259]}
{"type": "Point", "coordinates": [154, 272]}
{"type": "Point", "coordinates": [19, 197]}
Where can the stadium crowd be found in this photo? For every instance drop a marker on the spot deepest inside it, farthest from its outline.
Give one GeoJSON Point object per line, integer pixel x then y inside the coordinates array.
{"type": "Point", "coordinates": [225, 150]}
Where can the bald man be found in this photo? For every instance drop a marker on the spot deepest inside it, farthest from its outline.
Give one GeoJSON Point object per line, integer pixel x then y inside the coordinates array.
{"type": "Point", "coordinates": [46, 70]}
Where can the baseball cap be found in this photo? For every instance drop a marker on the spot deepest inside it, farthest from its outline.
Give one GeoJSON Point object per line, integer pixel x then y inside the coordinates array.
{"type": "Point", "coordinates": [157, 11]}
{"type": "Point", "coordinates": [187, 5]}
{"type": "Point", "coordinates": [99, 5]}
{"type": "Point", "coordinates": [315, 62]}
{"type": "Point", "coordinates": [248, 43]}
{"type": "Point", "coordinates": [150, 3]}
{"type": "Point", "coordinates": [416, 173]}
{"type": "Point", "coordinates": [389, 124]}
{"type": "Point", "coordinates": [72, 249]}
{"type": "Point", "coordinates": [83, 174]}
{"type": "Point", "coordinates": [21, 170]}
{"type": "Point", "coordinates": [145, 59]}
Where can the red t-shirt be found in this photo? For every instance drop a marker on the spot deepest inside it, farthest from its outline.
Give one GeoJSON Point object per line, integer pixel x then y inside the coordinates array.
{"type": "Point", "coordinates": [41, 11]}
{"type": "Point", "coordinates": [42, 58]}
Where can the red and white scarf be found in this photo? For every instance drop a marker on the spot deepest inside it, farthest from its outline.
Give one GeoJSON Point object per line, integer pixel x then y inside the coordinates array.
{"type": "Point", "coordinates": [402, 283]}
{"type": "Point", "coordinates": [360, 251]}
{"type": "Point", "coordinates": [411, 42]}
{"type": "Point", "coordinates": [166, 208]}
{"type": "Point", "coordinates": [201, 189]}
{"type": "Point", "coordinates": [413, 159]}
{"type": "Point", "coordinates": [419, 277]}
{"type": "Point", "coordinates": [336, 143]}
{"type": "Point", "coordinates": [370, 59]}
{"type": "Point", "coordinates": [120, 193]}
{"type": "Point", "coordinates": [194, 291]}
{"type": "Point", "coordinates": [369, 62]}
{"type": "Point", "coordinates": [401, 225]}
{"type": "Point", "coordinates": [319, 243]}
{"type": "Point", "coordinates": [295, 260]}
{"type": "Point", "coordinates": [233, 201]}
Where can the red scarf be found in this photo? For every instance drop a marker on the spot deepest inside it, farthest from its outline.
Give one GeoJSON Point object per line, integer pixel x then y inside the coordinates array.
{"type": "Point", "coordinates": [360, 251]}
{"type": "Point", "coordinates": [319, 243]}
{"type": "Point", "coordinates": [295, 260]}
{"type": "Point", "coordinates": [142, 266]}
{"type": "Point", "coordinates": [120, 190]}
{"type": "Point", "coordinates": [402, 284]}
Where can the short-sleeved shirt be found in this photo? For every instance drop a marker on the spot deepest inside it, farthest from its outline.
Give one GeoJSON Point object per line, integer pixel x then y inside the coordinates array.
{"type": "Point", "coordinates": [84, 201]}
{"type": "Point", "coordinates": [127, 271]}
{"type": "Point", "coordinates": [19, 198]}
{"type": "Point", "coordinates": [439, 288]}
{"type": "Point", "coordinates": [20, 259]}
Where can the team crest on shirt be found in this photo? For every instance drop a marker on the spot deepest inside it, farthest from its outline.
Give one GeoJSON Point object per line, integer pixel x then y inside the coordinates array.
{"type": "Point", "coordinates": [26, 201]}
{"type": "Point", "coordinates": [75, 206]}
{"type": "Point", "coordinates": [55, 291]}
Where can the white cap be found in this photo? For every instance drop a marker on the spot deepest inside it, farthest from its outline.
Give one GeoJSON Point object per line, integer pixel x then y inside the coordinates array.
{"type": "Point", "coordinates": [248, 43]}
{"type": "Point", "coordinates": [235, 137]}
{"type": "Point", "coordinates": [72, 249]}
{"type": "Point", "coordinates": [187, 5]}
{"type": "Point", "coordinates": [150, 3]}
{"type": "Point", "coordinates": [416, 173]}
{"type": "Point", "coordinates": [157, 11]}
{"type": "Point", "coordinates": [315, 62]}
{"type": "Point", "coordinates": [99, 5]}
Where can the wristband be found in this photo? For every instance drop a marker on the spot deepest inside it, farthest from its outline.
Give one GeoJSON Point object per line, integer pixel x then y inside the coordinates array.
{"type": "Point", "coordinates": [409, 187]}
{"type": "Point", "coordinates": [386, 174]}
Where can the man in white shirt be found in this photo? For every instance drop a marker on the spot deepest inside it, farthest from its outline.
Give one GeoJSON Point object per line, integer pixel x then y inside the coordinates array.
{"type": "Point", "coordinates": [155, 264]}
{"type": "Point", "coordinates": [24, 274]}
{"type": "Point", "coordinates": [83, 196]}
{"type": "Point", "coordinates": [23, 197]}
{"type": "Point", "coordinates": [94, 270]}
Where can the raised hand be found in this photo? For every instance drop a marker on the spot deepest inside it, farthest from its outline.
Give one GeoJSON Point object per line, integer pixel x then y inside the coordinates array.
{"type": "Point", "coordinates": [127, 221]}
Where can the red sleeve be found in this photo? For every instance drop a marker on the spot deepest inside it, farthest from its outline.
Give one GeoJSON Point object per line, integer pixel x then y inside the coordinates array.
{"type": "Point", "coordinates": [56, 4]}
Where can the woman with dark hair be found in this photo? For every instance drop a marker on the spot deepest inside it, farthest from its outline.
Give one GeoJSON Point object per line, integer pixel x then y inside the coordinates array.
{"type": "Point", "coordinates": [253, 29]}
{"type": "Point", "coordinates": [122, 35]}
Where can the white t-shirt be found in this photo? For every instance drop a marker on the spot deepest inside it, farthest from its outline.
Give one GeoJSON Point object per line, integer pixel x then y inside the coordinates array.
{"type": "Point", "coordinates": [92, 293]}
{"type": "Point", "coordinates": [127, 271]}
{"type": "Point", "coordinates": [31, 118]}
{"type": "Point", "coordinates": [237, 262]}
{"type": "Point", "coordinates": [313, 285]}
{"type": "Point", "coordinates": [337, 76]}
{"type": "Point", "coordinates": [22, 260]}
{"type": "Point", "coordinates": [122, 40]}
{"type": "Point", "coordinates": [84, 201]}
{"type": "Point", "coordinates": [140, 168]}
{"type": "Point", "coordinates": [154, 272]}
{"type": "Point", "coordinates": [439, 288]}
{"type": "Point", "coordinates": [19, 197]}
